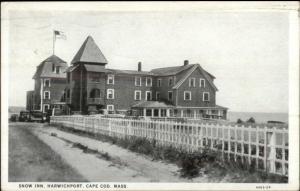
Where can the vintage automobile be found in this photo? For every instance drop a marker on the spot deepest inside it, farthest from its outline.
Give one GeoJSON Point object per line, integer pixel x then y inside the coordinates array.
{"type": "Point", "coordinates": [13, 118]}
{"type": "Point", "coordinates": [24, 116]}
{"type": "Point", "coordinates": [37, 116]}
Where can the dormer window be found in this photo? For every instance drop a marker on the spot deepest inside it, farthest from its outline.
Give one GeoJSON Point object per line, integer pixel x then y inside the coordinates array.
{"type": "Point", "coordinates": [53, 68]}
{"type": "Point", "coordinates": [57, 69]}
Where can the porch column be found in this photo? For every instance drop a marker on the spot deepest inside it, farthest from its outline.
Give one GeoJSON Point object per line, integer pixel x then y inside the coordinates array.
{"type": "Point", "coordinates": [219, 114]}
{"type": "Point", "coordinates": [181, 112]}
{"type": "Point", "coordinates": [168, 113]}
{"type": "Point", "coordinates": [195, 113]}
{"type": "Point", "coordinates": [144, 112]}
{"type": "Point", "coordinates": [152, 112]}
{"type": "Point", "coordinates": [159, 112]}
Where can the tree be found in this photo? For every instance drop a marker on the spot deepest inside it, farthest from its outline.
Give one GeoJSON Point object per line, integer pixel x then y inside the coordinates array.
{"type": "Point", "coordinates": [251, 120]}
{"type": "Point", "coordinates": [239, 121]}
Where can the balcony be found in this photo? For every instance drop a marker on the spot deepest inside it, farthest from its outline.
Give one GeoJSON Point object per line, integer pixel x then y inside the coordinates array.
{"type": "Point", "coordinates": [95, 101]}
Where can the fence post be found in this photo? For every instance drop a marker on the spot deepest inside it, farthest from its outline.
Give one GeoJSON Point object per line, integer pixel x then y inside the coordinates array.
{"type": "Point", "coordinates": [272, 153]}
{"type": "Point", "coordinates": [109, 127]}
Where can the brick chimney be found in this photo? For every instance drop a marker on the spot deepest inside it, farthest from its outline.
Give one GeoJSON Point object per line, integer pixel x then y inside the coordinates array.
{"type": "Point", "coordinates": [186, 62]}
{"type": "Point", "coordinates": [140, 66]}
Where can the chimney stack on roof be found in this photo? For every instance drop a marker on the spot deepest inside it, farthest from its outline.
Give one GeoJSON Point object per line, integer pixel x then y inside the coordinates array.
{"type": "Point", "coordinates": [186, 62]}
{"type": "Point", "coordinates": [140, 66]}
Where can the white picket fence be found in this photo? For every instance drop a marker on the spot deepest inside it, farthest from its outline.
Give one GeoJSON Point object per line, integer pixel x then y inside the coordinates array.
{"type": "Point", "coordinates": [260, 146]}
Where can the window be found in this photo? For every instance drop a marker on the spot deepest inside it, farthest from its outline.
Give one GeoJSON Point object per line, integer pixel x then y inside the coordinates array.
{"type": "Point", "coordinates": [148, 81]}
{"type": "Point", "coordinates": [68, 77]}
{"type": "Point", "coordinates": [157, 96]}
{"type": "Point", "coordinates": [53, 67]}
{"type": "Point", "coordinates": [206, 96]}
{"type": "Point", "coordinates": [192, 82]}
{"type": "Point", "coordinates": [187, 95]}
{"type": "Point", "coordinates": [148, 95]}
{"type": "Point", "coordinates": [46, 107]}
{"type": "Point", "coordinates": [148, 112]}
{"type": "Point", "coordinates": [57, 69]}
{"type": "Point", "coordinates": [170, 81]}
{"type": "Point", "coordinates": [68, 93]}
{"type": "Point", "coordinates": [138, 81]}
{"type": "Point", "coordinates": [110, 79]}
{"type": "Point", "coordinates": [95, 93]}
{"type": "Point", "coordinates": [110, 94]}
{"type": "Point", "coordinates": [202, 82]}
{"type": "Point", "coordinates": [47, 83]}
{"type": "Point", "coordinates": [46, 95]}
{"type": "Point", "coordinates": [170, 95]}
{"type": "Point", "coordinates": [137, 95]}
{"type": "Point", "coordinates": [163, 113]}
{"type": "Point", "coordinates": [110, 109]}
{"type": "Point", "coordinates": [158, 82]}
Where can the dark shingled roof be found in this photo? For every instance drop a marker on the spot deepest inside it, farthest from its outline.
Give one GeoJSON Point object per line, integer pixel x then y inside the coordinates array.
{"type": "Point", "coordinates": [168, 71]}
{"type": "Point", "coordinates": [152, 104]}
{"type": "Point", "coordinates": [95, 68]}
{"type": "Point", "coordinates": [45, 68]}
{"type": "Point", "coordinates": [129, 72]}
{"type": "Point", "coordinates": [89, 52]}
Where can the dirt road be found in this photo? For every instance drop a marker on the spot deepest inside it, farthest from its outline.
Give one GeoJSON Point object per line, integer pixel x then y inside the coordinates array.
{"type": "Point", "coordinates": [105, 162]}
{"type": "Point", "coordinates": [31, 160]}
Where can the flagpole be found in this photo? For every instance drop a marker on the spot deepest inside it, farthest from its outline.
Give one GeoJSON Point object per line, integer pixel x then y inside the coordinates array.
{"type": "Point", "coordinates": [53, 42]}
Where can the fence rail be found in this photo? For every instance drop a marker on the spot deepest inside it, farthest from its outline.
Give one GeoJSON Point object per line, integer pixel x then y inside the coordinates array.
{"type": "Point", "coordinates": [262, 147]}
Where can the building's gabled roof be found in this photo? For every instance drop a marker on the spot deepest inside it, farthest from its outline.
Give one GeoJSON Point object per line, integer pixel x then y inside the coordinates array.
{"type": "Point", "coordinates": [45, 68]}
{"type": "Point", "coordinates": [167, 71]}
{"type": "Point", "coordinates": [152, 104]}
{"type": "Point", "coordinates": [190, 71]}
{"type": "Point", "coordinates": [89, 52]}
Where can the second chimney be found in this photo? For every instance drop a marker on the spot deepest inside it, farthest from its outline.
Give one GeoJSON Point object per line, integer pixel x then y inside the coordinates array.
{"type": "Point", "coordinates": [186, 62]}
{"type": "Point", "coordinates": [140, 66]}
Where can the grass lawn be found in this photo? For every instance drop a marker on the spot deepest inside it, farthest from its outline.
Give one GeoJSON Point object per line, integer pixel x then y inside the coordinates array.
{"type": "Point", "coordinates": [31, 160]}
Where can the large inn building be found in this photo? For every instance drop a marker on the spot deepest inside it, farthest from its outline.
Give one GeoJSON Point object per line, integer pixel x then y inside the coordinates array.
{"type": "Point", "coordinates": [180, 91]}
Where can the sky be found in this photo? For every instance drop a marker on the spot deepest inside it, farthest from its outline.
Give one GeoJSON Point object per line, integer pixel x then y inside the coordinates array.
{"type": "Point", "coordinates": [247, 52]}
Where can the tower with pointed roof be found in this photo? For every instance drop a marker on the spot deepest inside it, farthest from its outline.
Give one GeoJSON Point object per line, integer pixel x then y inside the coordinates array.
{"type": "Point", "coordinates": [50, 81]}
{"type": "Point", "coordinates": [88, 62]}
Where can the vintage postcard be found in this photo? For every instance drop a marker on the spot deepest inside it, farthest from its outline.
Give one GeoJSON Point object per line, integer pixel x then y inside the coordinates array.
{"type": "Point", "coordinates": [149, 96]}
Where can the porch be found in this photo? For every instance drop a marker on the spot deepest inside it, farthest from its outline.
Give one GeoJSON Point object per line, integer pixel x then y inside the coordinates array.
{"type": "Point", "coordinates": [157, 109]}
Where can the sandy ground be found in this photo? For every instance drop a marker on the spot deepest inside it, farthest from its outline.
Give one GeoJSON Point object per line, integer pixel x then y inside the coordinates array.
{"type": "Point", "coordinates": [31, 160]}
{"type": "Point", "coordinates": [123, 165]}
